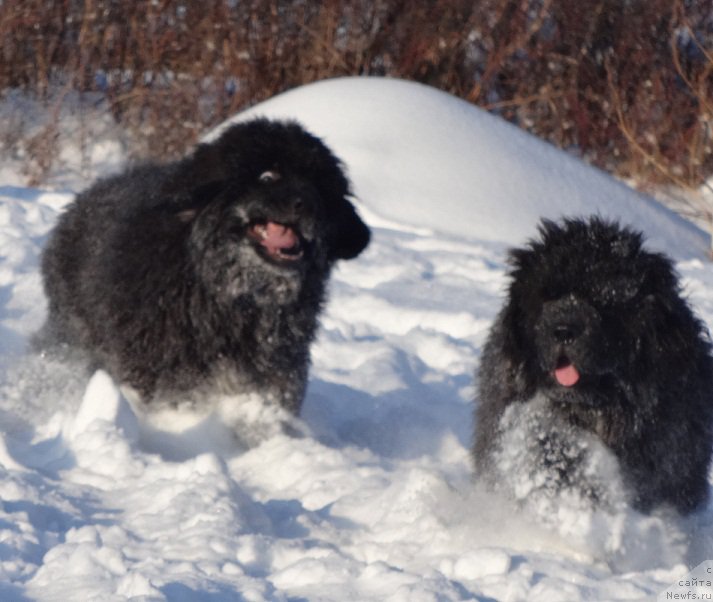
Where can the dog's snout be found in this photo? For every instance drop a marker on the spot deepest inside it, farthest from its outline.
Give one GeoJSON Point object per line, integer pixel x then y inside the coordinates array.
{"type": "Point", "coordinates": [298, 205]}
{"type": "Point", "coordinates": [567, 322]}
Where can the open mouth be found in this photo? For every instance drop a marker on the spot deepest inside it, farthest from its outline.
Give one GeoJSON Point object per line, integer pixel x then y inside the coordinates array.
{"type": "Point", "coordinates": [565, 373]}
{"type": "Point", "coordinates": [277, 241]}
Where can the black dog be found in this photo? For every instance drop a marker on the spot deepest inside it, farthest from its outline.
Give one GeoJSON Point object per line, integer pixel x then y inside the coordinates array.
{"type": "Point", "coordinates": [207, 274]}
{"type": "Point", "coordinates": [596, 337]}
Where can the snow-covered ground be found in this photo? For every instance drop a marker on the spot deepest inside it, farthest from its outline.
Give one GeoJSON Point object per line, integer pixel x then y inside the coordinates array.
{"type": "Point", "coordinates": [376, 499]}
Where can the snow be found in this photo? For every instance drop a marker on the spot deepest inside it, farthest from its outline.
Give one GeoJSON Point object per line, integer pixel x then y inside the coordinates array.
{"type": "Point", "coordinates": [372, 497]}
{"type": "Point", "coordinates": [424, 158]}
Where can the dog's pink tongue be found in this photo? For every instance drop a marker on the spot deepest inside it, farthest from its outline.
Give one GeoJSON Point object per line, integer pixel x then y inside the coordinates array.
{"type": "Point", "coordinates": [276, 236]}
{"type": "Point", "coordinates": [567, 375]}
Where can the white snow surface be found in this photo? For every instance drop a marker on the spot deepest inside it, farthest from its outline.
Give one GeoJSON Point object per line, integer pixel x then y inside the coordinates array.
{"type": "Point", "coordinates": [421, 157]}
{"type": "Point", "coordinates": [373, 497]}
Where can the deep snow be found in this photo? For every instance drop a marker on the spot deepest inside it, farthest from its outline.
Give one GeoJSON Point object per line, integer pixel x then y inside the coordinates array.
{"type": "Point", "coordinates": [374, 499]}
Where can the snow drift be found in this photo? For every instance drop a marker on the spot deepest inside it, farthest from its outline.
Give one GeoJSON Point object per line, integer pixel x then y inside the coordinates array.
{"type": "Point", "coordinates": [421, 157]}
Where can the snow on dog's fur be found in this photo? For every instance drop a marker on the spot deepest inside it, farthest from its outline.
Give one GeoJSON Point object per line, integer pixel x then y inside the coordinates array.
{"type": "Point", "coordinates": [595, 329]}
{"type": "Point", "coordinates": [206, 274]}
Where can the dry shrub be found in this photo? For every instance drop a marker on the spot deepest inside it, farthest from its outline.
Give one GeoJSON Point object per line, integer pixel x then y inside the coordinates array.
{"type": "Point", "coordinates": [628, 86]}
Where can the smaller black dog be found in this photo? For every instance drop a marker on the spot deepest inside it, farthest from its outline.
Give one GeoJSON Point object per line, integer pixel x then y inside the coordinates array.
{"type": "Point", "coordinates": [205, 275]}
{"type": "Point", "coordinates": [595, 347]}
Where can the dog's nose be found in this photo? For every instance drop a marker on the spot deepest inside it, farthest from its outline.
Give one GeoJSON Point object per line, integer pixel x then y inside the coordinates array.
{"type": "Point", "coordinates": [298, 205]}
{"type": "Point", "coordinates": [567, 333]}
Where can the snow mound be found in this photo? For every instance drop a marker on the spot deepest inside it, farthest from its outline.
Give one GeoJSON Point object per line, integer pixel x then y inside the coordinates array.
{"type": "Point", "coordinates": [423, 158]}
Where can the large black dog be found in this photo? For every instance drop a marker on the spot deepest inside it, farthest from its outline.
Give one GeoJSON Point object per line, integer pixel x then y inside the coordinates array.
{"type": "Point", "coordinates": [595, 345]}
{"type": "Point", "coordinates": [205, 275]}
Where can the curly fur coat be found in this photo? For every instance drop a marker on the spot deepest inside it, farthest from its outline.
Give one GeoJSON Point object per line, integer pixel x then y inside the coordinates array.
{"type": "Point", "coordinates": [206, 274]}
{"type": "Point", "coordinates": [597, 338]}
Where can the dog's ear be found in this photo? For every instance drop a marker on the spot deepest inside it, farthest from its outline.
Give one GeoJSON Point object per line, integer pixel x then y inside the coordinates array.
{"type": "Point", "coordinates": [349, 235]}
{"type": "Point", "coordinates": [200, 197]}
{"type": "Point", "coordinates": [516, 348]}
{"type": "Point", "coordinates": [207, 163]}
{"type": "Point", "coordinates": [665, 321]}
{"type": "Point", "coordinates": [197, 180]}
{"type": "Point", "coordinates": [505, 373]}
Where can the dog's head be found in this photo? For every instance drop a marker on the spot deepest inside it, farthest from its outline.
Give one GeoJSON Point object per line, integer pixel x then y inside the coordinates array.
{"type": "Point", "coordinates": [590, 310]}
{"type": "Point", "coordinates": [269, 207]}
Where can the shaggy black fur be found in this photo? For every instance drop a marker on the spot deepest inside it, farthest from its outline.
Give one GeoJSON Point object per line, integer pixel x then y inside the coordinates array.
{"type": "Point", "coordinates": [595, 327]}
{"type": "Point", "coordinates": [207, 274]}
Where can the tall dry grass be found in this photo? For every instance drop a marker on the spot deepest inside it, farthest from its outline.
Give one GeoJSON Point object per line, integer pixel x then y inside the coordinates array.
{"type": "Point", "coordinates": [628, 86]}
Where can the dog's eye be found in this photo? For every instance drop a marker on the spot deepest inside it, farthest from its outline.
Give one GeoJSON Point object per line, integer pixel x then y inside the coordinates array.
{"type": "Point", "coordinates": [618, 291]}
{"type": "Point", "coordinates": [269, 176]}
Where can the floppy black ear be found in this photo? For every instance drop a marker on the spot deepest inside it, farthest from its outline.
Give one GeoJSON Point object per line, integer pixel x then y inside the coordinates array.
{"type": "Point", "coordinates": [206, 163]}
{"type": "Point", "coordinates": [350, 235]}
{"type": "Point", "coordinates": [670, 333]}
{"type": "Point", "coordinates": [518, 350]}
{"type": "Point", "coordinates": [200, 197]}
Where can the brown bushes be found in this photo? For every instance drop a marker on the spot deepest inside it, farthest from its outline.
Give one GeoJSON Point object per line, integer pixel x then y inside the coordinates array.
{"type": "Point", "coordinates": [627, 85]}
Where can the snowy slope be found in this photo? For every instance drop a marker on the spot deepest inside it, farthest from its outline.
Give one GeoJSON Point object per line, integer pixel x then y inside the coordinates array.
{"type": "Point", "coordinates": [422, 157]}
{"type": "Point", "coordinates": [376, 499]}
